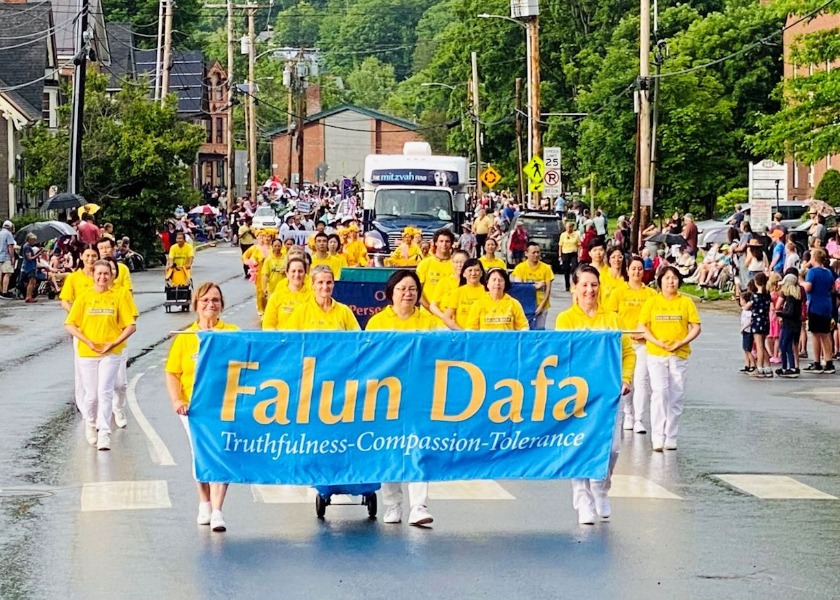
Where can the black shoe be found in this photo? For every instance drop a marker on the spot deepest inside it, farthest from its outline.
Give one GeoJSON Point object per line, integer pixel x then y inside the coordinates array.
{"type": "Point", "coordinates": [745, 369]}
{"type": "Point", "coordinates": [7, 296]}
{"type": "Point", "coordinates": [780, 372]}
{"type": "Point", "coordinates": [828, 369]}
{"type": "Point", "coordinates": [791, 373]}
{"type": "Point", "coordinates": [813, 368]}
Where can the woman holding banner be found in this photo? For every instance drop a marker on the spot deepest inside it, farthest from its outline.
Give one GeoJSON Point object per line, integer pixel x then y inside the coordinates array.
{"type": "Point", "coordinates": [208, 304]}
{"type": "Point", "coordinates": [321, 312]}
{"type": "Point", "coordinates": [497, 311]}
{"type": "Point", "coordinates": [288, 294]}
{"type": "Point", "coordinates": [590, 495]}
{"type": "Point", "coordinates": [403, 313]}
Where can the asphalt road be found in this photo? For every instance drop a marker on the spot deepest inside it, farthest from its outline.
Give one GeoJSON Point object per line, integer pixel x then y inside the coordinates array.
{"type": "Point", "coordinates": [746, 508]}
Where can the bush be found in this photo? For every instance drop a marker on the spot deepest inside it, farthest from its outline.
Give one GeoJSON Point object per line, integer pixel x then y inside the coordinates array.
{"type": "Point", "coordinates": [726, 204]}
{"type": "Point", "coordinates": [828, 189]}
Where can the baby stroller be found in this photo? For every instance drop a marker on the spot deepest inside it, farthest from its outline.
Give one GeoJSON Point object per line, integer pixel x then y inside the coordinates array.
{"type": "Point", "coordinates": [366, 490]}
{"type": "Point", "coordinates": [178, 287]}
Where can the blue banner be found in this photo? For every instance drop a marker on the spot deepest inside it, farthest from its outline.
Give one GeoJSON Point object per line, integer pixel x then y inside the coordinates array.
{"type": "Point", "coordinates": [312, 408]}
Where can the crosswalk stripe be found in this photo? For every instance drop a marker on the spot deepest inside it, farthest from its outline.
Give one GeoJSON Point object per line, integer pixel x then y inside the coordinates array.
{"type": "Point", "coordinates": [124, 495]}
{"type": "Point", "coordinates": [476, 489]}
{"type": "Point", "coordinates": [634, 486]}
{"type": "Point", "coordinates": [776, 487]}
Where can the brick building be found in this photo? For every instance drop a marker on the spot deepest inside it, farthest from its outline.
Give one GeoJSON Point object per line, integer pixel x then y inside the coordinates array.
{"type": "Point", "coordinates": [341, 137]}
{"type": "Point", "coordinates": [802, 178]}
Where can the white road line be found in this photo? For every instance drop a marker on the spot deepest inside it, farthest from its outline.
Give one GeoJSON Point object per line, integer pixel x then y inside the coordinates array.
{"type": "Point", "coordinates": [820, 392]}
{"type": "Point", "coordinates": [228, 252]}
{"type": "Point", "coordinates": [124, 495]}
{"type": "Point", "coordinates": [157, 450]}
{"type": "Point", "coordinates": [283, 494]}
{"type": "Point", "coordinates": [774, 487]}
{"type": "Point", "coordinates": [634, 486]}
{"type": "Point", "coordinates": [477, 489]}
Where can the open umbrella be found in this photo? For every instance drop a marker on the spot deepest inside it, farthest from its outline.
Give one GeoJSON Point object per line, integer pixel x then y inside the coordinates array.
{"type": "Point", "coordinates": [90, 207]}
{"type": "Point", "coordinates": [718, 235]}
{"type": "Point", "coordinates": [62, 201]}
{"type": "Point", "coordinates": [44, 231]}
{"type": "Point", "coordinates": [204, 209]}
{"type": "Point", "coordinates": [820, 207]}
{"type": "Point", "coordinates": [669, 239]}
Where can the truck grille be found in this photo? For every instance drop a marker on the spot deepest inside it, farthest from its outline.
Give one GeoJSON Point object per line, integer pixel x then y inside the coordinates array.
{"type": "Point", "coordinates": [395, 237]}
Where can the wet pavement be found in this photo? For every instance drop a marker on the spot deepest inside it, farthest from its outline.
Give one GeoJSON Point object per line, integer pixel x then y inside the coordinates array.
{"type": "Point", "coordinates": [746, 508]}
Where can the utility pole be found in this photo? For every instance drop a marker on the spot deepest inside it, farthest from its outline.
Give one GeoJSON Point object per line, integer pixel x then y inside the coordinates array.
{"type": "Point", "coordinates": [519, 139]}
{"type": "Point", "coordinates": [301, 113]}
{"type": "Point", "coordinates": [659, 56]}
{"type": "Point", "coordinates": [77, 124]}
{"type": "Point", "coordinates": [534, 58]}
{"type": "Point", "coordinates": [252, 113]}
{"type": "Point", "coordinates": [159, 49]}
{"type": "Point", "coordinates": [476, 112]}
{"type": "Point", "coordinates": [645, 192]}
{"type": "Point", "coordinates": [230, 151]}
{"type": "Point", "coordinates": [167, 51]}
{"type": "Point", "coordinates": [290, 118]}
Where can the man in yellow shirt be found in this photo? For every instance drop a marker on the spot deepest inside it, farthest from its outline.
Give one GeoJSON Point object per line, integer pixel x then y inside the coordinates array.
{"type": "Point", "coordinates": [481, 227]}
{"type": "Point", "coordinates": [180, 259]}
{"type": "Point", "coordinates": [538, 272]}
{"type": "Point", "coordinates": [436, 267]}
{"type": "Point", "coordinates": [321, 256]}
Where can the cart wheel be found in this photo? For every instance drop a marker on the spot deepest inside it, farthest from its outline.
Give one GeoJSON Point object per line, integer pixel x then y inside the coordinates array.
{"type": "Point", "coordinates": [167, 309]}
{"type": "Point", "coordinates": [320, 506]}
{"type": "Point", "coordinates": [370, 500]}
{"type": "Point", "coordinates": [185, 308]}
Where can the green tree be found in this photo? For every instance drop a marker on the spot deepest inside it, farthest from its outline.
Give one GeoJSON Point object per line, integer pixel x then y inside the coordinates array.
{"type": "Point", "coordinates": [298, 25]}
{"type": "Point", "coordinates": [371, 83]}
{"type": "Point", "coordinates": [135, 159]}
{"type": "Point", "coordinates": [726, 203]}
{"type": "Point", "coordinates": [143, 15]}
{"type": "Point", "coordinates": [829, 188]}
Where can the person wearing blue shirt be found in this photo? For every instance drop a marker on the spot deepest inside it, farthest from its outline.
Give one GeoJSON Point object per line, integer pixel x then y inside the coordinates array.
{"type": "Point", "coordinates": [819, 283]}
{"type": "Point", "coordinates": [29, 268]}
{"type": "Point", "coordinates": [777, 261]}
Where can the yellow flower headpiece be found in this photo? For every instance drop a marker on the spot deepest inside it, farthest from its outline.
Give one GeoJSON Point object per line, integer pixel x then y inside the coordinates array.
{"type": "Point", "coordinates": [411, 230]}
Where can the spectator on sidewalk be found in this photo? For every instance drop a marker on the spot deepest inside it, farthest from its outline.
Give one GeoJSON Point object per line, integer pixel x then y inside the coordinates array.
{"type": "Point", "coordinates": [88, 231]}
{"type": "Point", "coordinates": [29, 269]}
{"type": "Point", "coordinates": [7, 257]}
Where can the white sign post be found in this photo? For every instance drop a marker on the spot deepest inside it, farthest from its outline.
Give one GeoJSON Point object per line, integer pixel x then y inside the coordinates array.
{"type": "Point", "coordinates": [767, 187]}
{"type": "Point", "coordinates": [553, 178]}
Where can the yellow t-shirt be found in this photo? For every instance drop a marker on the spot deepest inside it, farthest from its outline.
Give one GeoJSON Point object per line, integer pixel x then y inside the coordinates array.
{"type": "Point", "coordinates": [388, 320]}
{"type": "Point", "coordinates": [356, 254]}
{"type": "Point", "coordinates": [542, 272]}
{"type": "Point", "coordinates": [179, 254]}
{"type": "Point", "coordinates": [431, 271]}
{"type": "Point", "coordinates": [506, 314]}
{"type": "Point", "coordinates": [494, 263]}
{"type": "Point", "coordinates": [246, 235]}
{"type": "Point", "coordinates": [183, 356]}
{"type": "Point", "coordinates": [308, 316]}
{"type": "Point", "coordinates": [668, 321]}
{"type": "Point", "coordinates": [609, 284]}
{"type": "Point", "coordinates": [627, 304]}
{"type": "Point", "coordinates": [281, 303]}
{"type": "Point", "coordinates": [461, 300]}
{"type": "Point", "coordinates": [405, 256]}
{"type": "Point", "coordinates": [575, 319]}
{"type": "Point", "coordinates": [123, 280]}
{"type": "Point", "coordinates": [101, 317]}
{"type": "Point", "coordinates": [569, 242]}
{"type": "Point", "coordinates": [273, 267]}
{"type": "Point", "coordinates": [75, 284]}
{"type": "Point", "coordinates": [481, 226]}
{"type": "Point", "coordinates": [333, 262]}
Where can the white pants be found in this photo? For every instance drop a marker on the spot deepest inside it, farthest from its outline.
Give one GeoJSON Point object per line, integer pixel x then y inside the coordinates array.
{"type": "Point", "coordinates": [98, 376]}
{"type": "Point", "coordinates": [585, 490]}
{"type": "Point", "coordinates": [667, 382]}
{"type": "Point", "coordinates": [418, 493]}
{"type": "Point", "coordinates": [121, 385]}
{"type": "Point", "coordinates": [636, 403]}
{"type": "Point", "coordinates": [78, 388]}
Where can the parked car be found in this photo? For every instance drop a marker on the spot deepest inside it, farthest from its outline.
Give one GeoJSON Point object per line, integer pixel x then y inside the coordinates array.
{"type": "Point", "coordinates": [716, 232]}
{"type": "Point", "coordinates": [542, 228]}
{"type": "Point", "coordinates": [266, 216]}
{"type": "Point", "coordinates": [799, 234]}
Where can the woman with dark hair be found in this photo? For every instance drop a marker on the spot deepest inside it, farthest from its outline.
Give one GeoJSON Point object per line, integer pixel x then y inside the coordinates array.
{"type": "Point", "coordinates": [739, 251]}
{"type": "Point", "coordinates": [208, 304]}
{"type": "Point", "coordinates": [404, 313]}
{"type": "Point", "coordinates": [614, 276]}
{"type": "Point", "coordinates": [587, 313]}
{"type": "Point", "coordinates": [447, 285]}
{"type": "Point", "coordinates": [460, 301]}
{"type": "Point", "coordinates": [497, 311]}
{"type": "Point", "coordinates": [670, 322]}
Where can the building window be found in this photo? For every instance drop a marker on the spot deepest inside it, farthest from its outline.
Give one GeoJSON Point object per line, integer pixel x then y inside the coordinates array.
{"type": "Point", "coordinates": [45, 108]}
{"type": "Point", "coordinates": [208, 127]}
{"type": "Point", "coordinates": [220, 172]}
{"type": "Point", "coordinates": [795, 174]}
{"type": "Point", "coordinates": [811, 175]}
{"type": "Point", "coordinates": [220, 131]}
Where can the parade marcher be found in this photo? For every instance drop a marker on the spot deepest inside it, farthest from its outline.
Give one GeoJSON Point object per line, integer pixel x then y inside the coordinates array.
{"type": "Point", "coordinates": [102, 320]}
{"type": "Point", "coordinates": [246, 240]}
{"type": "Point", "coordinates": [180, 259]}
{"type": "Point", "coordinates": [288, 294]}
{"type": "Point", "coordinates": [403, 313]}
{"type": "Point", "coordinates": [407, 254]}
{"type": "Point", "coordinates": [570, 244]}
{"type": "Point", "coordinates": [208, 304]}
{"type": "Point", "coordinates": [321, 256]}
{"type": "Point", "coordinates": [627, 303]}
{"type": "Point", "coordinates": [489, 260]}
{"type": "Point", "coordinates": [614, 275]}
{"type": "Point", "coordinates": [253, 259]}
{"type": "Point", "coordinates": [355, 250]}
{"type": "Point", "coordinates": [335, 249]}
{"type": "Point", "coordinates": [273, 269]}
{"type": "Point", "coordinates": [670, 322]}
{"type": "Point", "coordinates": [541, 275]}
{"type": "Point", "coordinates": [458, 302]}
{"type": "Point", "coordinates": [321, 312]}
{"type": "Point", "coordinates": [447, 285]}
{"type": "Point", "coordinates": [497, 311]}
{"type": "Point", "coordinates": [589, 496]}
{"type": "Point", "coordinates": [436, 267]}
{"type": "Point", "coordinates": [75, 285]}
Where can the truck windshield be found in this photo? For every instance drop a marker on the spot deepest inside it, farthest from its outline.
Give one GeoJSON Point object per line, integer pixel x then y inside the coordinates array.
{"type": "Point", "coordinates": [431, 204]}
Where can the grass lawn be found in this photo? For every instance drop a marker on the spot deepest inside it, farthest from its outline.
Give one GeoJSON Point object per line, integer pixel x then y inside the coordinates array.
{"type": "Point", "coordinates": [704, 293]}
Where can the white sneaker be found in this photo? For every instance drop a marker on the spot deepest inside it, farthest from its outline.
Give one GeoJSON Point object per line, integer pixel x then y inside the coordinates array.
{"type": "Point", "coordinates": [204, 511]}
{"type": "Point", "coordinates": [658, 444]}
{"type": "Point", "coordinates": [420, 515]}
{"type": "Point", "coordinates": [90, 433]}
{"type": "Point", "coordinates": [393, 514]}
{"type": "Point", "coordinates": [103, 442]}
{"type": "Point", "coordinates": [639, 427]}
{"type": "Point", "coordinates": [217, 521]}
{"type": "Point", "coordinates": [586, 516]}
{"type": "Point", "coordinates": [671, 444]}
{"type": "Point", "coordinates": [602, 506]}
{"type": "Point", "coordinates": [628, 423]}
{"type": "Point", "coordinates": [119, 419]}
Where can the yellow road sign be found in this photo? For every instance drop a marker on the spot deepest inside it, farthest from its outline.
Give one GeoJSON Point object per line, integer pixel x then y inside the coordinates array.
{"type": "Point", "coordinates": [536, 186]}
{"type": "Point", "coordinates": [490, 177]}
{"type": "Point", "coordinates": [534, 170]}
